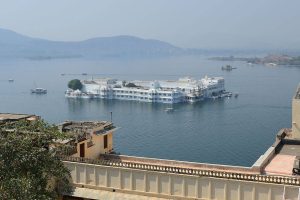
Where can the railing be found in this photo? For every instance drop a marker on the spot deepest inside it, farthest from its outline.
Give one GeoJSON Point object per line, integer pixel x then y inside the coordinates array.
{"type": "Point", "coordinates": [181, 164]}
{"type": "Point", "coordinates": [290, 180]}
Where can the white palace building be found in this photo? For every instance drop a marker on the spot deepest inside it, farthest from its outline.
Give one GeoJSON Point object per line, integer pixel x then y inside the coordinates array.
{"type": "Point", "coordinates": [185, 89]}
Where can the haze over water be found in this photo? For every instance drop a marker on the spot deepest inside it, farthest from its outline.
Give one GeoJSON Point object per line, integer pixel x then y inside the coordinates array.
{"type": "Point", "coordinates": [232, 131]}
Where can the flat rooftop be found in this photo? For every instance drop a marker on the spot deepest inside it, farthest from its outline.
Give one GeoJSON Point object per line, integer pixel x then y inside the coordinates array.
{"type": "Point", "coordinates": [283, 161]}
{"type": "Point", "coordinates": [82, 130]}
{"type": "Point", "coordinates": [15, 117]}
{"type": "Point", "coordinates": [280, 165]}
{"type": "Point", "coordinates": [95, 127]}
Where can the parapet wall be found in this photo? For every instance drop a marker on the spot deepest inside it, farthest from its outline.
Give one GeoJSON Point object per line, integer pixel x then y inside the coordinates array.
{"type": "Point", "coordinates": [179, 164]}
{"type": "Point", "coordinates": [177, 182]}
{"type": "Point", "coordinates": [213, 173]}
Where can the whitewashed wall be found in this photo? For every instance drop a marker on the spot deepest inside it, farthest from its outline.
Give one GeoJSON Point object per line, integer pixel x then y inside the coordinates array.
{"type": "Point", "coordinates": [176, 186]}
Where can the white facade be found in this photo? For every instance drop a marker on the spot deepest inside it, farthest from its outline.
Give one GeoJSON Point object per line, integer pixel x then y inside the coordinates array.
{"type": "Point", "coordinates": [212, 86]}
{"type": "Point", "coordinates": [165, 91]}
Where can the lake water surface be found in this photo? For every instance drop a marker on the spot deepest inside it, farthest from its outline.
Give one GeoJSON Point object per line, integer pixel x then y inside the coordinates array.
{"type": "Point", "coordinates": [232, 131]}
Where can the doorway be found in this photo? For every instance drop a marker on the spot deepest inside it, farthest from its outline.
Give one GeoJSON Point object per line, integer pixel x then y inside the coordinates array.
{"type": "Point", "coordinates": [82, 149]}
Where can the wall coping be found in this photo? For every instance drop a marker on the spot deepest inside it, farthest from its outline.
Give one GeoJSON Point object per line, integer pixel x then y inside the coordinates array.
{"type": "Point", "coordinates": [255, 177]}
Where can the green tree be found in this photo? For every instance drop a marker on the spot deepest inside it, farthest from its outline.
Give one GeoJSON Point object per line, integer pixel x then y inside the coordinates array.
{"type": "Point", "coordinates": [130, 85]}
{"type": "Point", "coordinates": [29, 166]}
{"type": "Point", "coordinates": [75, 84]}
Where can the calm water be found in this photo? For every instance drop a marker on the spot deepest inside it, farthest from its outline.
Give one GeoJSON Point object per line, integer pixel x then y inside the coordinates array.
{"type": "Point", "coordinates": [230, 131]}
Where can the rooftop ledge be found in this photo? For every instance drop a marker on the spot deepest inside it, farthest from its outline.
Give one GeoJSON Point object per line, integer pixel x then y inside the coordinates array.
{"type": "Point", "coordinates": [184, 168]}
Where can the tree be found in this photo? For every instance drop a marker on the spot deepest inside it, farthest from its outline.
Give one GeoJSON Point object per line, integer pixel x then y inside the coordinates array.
{"type": "Point", "coordinates": [75, 84]}
{"type": "Point", "coordinates": [29, 165]}
{"type": "Point", "coordinates": [130, 85]}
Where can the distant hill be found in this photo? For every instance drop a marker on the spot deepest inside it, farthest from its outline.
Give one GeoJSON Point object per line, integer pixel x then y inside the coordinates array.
{"type": "Point", "coordinates": [14, 45]}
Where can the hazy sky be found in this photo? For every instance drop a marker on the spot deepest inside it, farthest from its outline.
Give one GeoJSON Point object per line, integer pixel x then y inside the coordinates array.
{"type": "Point", "coordinates": [185, 23]}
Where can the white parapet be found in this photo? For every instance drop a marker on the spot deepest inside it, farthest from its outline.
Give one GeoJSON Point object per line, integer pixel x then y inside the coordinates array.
{"type": "Point", "coordinates": [145, 181]}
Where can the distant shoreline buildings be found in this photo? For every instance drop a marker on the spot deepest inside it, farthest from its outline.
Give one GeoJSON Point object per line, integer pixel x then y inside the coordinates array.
{"type": "Point", "coordinates": [185, 89]}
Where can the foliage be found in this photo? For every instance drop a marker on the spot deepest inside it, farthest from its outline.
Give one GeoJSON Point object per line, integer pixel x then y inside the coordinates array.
{"type": "Point", "coordinates": [130, 85]}
{"type": "Point", "coordinates": [29, 167]}
{"type": "Point", "coordinates": [75, 84]}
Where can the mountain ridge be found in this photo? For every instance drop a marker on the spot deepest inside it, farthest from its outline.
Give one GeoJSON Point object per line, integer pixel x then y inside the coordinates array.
{"type": "Point", "coordinates": [13, 44]}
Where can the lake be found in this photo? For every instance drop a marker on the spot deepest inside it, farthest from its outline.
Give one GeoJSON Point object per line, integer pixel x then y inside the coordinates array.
{"type": "Point", "coordinates": [233, 131]}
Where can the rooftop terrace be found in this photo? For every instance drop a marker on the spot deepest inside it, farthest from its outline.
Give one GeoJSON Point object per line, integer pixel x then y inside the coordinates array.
{"type": "Point", "coordinates": [83, 129]}
{"type": "Point", "coordinates": [286, 151]}
{"type": "Point", "coordinates": [4, 117]}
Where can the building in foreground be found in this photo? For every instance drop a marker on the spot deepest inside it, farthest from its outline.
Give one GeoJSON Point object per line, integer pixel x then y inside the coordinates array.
{"type": "Point", "coordinates": [91, 138]}
{"type": "Point", "coordinates": [183, 90]}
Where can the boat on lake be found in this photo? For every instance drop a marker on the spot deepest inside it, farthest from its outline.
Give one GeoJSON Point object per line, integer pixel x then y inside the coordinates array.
{"type": "Point", "coordinates": [79, 94]}
{"type": "Point", "coordinates": [38, 91]}
{"type": "Point", "coordinates": [221, 95]}
{"type": "Point", "coordinates": [228, 68]}
{"type": "Point", "coordinates": [169, 110]}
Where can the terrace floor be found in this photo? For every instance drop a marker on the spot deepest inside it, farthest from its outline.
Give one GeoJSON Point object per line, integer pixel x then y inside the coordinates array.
{"type": "Point", "coordinates": [283, 161]}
